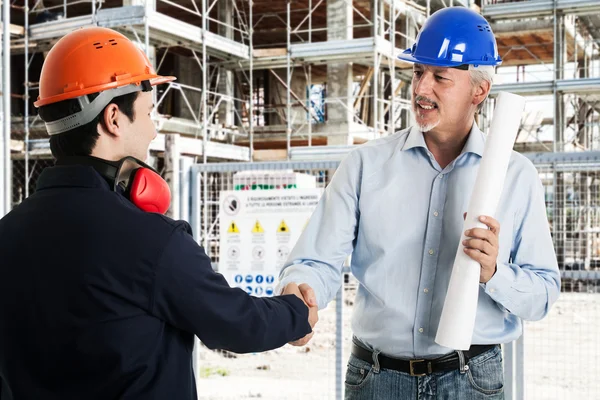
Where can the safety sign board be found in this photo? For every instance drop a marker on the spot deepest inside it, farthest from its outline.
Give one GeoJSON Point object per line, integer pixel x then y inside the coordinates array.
{"type": "Point", "coordinates": [258, 231]}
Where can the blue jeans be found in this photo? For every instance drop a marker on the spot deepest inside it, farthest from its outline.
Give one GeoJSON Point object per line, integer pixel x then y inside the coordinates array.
{"type": "Point", "coordinates": [483, 379]}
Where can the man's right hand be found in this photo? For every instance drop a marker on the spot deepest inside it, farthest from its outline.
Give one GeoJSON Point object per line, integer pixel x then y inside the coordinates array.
{"type": "Point", "coordinates": [307, 295]}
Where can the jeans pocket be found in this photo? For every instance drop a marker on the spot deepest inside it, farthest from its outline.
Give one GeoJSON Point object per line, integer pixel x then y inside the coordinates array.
{"type": "Point", "coordinates": [486, 374]}
{"type": "Point", "coordinates": [357, 373]}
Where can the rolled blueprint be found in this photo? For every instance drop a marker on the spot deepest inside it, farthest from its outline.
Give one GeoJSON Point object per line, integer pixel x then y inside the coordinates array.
{"type": "Point", "coordinates": [458, 315]}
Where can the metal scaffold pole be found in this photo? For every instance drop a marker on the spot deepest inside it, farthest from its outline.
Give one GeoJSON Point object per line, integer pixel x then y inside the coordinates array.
{"type": "Point", "coordinates": [204, 126]}
{"type": "Point", "coordinates": [26, 92]}
{"type": "Point", "coordinates": [288, 130]}
{"type": "Point", "coordinates": [6, 112]}
{"type": "Point", "coordinates": [374, 103]}
{"type": "Point", "coordinates": [392, 118]}
{"type": "Point", "coordinates": [251, 118]}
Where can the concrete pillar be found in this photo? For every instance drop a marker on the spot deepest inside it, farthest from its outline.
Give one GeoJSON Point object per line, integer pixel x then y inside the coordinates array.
{"type": "Point", "coordinates": [278, 95]}
{"type": "Point", "coordinates": [560, 215]}
{"type": "Point", "coordinates": [225, 11]}
{"type": "Point", "coordinates": [269, 117]}
{"type": "Point", "coordinates": [172, 174]}
{"type": "Point", "coordinates": [560, 57]}
{"type": "Point", "coordinates": [340, 104]}
{"type": "Point", "coordinates": [188, 72]}
{"type": "Point", "coordinates": [377, 25]}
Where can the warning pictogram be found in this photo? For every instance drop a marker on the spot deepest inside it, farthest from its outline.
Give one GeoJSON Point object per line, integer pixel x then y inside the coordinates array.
{"type": "Point", "coordinates": [258, 228]}
{"type": "Point", "coordinates": [283, 228]}
{"type": "Point", "coordinates": [233, 228]}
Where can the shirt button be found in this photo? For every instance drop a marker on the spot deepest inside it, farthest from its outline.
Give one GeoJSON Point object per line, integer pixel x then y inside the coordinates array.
{"type": "Point", "coordinates": [435, 213]}
{"type": "Point", "coordinates": [426, 290]}
{"type": "Point", "coordinates": [492, 290]}
{"type": "Point", "coordinates": [431, 252]}
{"type": "Point", "coordinates": [420, 330]}
{"type": "Point", "coordinates": [440, 176]}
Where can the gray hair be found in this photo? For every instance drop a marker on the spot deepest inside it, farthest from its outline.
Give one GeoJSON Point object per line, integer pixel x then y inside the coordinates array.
{"type": "Point", "coordinates": [480, 74]}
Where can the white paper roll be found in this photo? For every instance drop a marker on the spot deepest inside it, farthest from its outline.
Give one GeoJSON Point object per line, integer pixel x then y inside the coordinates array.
{"type": "Point", "coordinates": [458, 315]}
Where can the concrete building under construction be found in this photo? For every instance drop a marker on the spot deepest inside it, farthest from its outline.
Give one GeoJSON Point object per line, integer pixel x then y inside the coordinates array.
{"type": "Point", "coordinates": [275, 80]}
{"type": "Point", "coordinates": [282, 84]}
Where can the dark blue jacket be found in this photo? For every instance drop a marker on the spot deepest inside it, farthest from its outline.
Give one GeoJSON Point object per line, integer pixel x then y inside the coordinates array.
{"type": "Point", "coordinates": [100, 300]}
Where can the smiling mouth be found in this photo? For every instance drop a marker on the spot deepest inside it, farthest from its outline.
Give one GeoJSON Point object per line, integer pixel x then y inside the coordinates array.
{"type": "Point", "coordinates": [426, 106]}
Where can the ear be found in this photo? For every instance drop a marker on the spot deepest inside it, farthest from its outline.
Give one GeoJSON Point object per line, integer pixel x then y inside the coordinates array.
{"type": "Point", "coordinates": [111, 120]}
{"type": "Point", "coordinates": [481, 92]}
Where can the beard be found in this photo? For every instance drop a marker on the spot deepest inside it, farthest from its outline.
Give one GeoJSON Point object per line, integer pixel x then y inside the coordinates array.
{"type": "Point", "coordinates": [423, 126]}
{"type": "Point", "coordinates": [427, 127]}
{"type": "Point", "coordinates": [418, 113]}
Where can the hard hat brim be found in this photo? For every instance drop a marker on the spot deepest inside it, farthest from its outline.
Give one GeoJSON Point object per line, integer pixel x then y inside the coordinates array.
{"type": "Point", "coordinates": [152, 78]}
{"type": "Point", "coordinates": [443, 63]}
{"type": "Point", "coordinates": [407, 55]}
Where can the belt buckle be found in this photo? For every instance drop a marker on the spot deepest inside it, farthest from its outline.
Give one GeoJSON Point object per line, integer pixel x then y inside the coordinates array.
{"type": "Point", "coordinates": [412, 367]}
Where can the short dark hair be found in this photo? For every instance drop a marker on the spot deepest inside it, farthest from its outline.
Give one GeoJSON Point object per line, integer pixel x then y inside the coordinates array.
{"type": "Point", "coordinates": [81, 140]}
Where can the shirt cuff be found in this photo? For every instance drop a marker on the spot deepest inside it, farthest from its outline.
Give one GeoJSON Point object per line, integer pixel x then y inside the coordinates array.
{"type": "Point", "coordinates": [499, 286]}
{"type": "Point", "coordinates": [299, 278]}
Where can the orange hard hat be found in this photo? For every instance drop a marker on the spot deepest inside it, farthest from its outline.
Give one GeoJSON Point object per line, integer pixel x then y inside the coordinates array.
{"type": "Point", "coordinates": [91, 60]}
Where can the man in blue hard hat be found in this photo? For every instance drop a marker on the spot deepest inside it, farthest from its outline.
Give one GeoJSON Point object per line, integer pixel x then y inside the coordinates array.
{"type": "Point", "coordinates": [397, 205]}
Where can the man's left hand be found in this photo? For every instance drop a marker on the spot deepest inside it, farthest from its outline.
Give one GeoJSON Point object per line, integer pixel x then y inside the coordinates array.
{"type": "Point", "coordinates": [482, 246]}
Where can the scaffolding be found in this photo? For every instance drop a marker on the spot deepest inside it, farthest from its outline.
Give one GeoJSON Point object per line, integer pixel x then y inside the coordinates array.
{"type": "Point", "coordinates": [279, 80]}
{"type": "Point", "coordinates": [551, 52]}
{"type": "Point", "coordinates": [221, 109]}
{"type": "Point", "coordinates": [362, 46]}
{"type": "Point", "coordinates": [169, 32]}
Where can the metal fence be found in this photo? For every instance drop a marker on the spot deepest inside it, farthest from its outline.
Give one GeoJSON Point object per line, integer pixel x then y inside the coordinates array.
{"type": "Point", "coordinates": [314, 371]}
{"type": "Point", "coordinates": [25, 174]}
{"type": "Point", "coordinates": [557, 358]}
{"type": "Point", "coordinates": [561, 353]}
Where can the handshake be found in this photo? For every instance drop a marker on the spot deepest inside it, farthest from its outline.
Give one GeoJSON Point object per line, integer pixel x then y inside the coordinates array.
{"type": "Point", "coordinates": [307, 295]}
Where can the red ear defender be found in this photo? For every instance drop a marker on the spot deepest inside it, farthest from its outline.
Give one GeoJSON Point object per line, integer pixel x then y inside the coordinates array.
{"type": "Point", "coordinates": [149, 191]}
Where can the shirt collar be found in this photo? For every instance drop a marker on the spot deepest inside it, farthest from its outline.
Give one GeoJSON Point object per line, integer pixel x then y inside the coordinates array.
{"type": "Point", "coordinates": [475, 141]}
{"type": "Point", "coordinates": [415, 139]}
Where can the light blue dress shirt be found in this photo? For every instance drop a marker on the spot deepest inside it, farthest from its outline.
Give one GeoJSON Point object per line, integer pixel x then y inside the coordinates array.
{"type": "Point", "coordinates": [400, 215]}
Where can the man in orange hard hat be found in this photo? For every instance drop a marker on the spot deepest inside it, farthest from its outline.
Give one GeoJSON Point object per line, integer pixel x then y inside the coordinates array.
{"type": "Point", "coordinates": [108, 303]}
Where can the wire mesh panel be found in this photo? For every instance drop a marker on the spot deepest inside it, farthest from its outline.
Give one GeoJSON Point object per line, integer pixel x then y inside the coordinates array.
{"type": "Point", "coordinates": [24, 179]}
{"type": "Point", "coordinates": [562, 352]}
{"type": "Point", "coordinates": [561, 355]}
{"type": "Point", "coordinates": [289, 372]}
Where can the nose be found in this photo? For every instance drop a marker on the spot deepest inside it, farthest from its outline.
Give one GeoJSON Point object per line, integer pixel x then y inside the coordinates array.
{"type": "Point", "coordinates": [424, 85]}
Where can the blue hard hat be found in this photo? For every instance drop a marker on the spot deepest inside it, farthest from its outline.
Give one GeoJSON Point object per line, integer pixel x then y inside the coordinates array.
{"type": "Point", "coordinates": [453, 37]}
